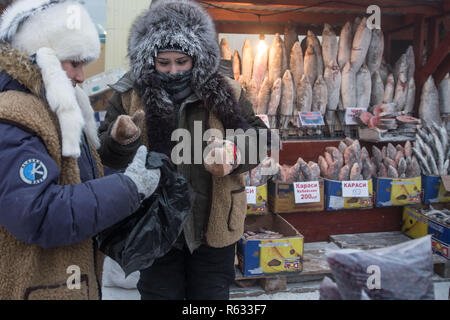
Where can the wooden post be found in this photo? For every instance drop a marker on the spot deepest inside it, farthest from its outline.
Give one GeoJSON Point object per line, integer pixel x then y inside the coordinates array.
{"type": "Point", "coordinates": [433, 36]}
{"type": "Point", "coordinates": [419, 39]}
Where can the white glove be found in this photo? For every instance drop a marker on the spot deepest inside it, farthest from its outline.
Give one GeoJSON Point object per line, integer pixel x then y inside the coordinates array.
{"type": "Point", "coordinates": [146, 180]}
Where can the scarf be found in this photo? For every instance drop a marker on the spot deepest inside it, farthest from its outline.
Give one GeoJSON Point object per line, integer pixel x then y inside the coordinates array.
{"type": "Point", "coordinates": [178, 85]}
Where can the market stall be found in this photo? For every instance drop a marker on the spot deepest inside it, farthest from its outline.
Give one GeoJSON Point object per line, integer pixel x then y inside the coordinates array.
{"type": "Point", "coordinates": [350, 92]}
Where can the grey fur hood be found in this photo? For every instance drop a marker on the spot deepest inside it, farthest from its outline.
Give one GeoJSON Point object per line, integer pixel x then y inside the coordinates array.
{"type": "Point", "coordinates": [182, 24]}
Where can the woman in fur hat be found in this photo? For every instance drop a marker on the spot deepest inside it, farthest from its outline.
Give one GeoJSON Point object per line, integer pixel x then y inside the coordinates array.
{"type": "Point", "coordinates": [52, 196]}
{"type": "Point", "coordinates": [174, 79]}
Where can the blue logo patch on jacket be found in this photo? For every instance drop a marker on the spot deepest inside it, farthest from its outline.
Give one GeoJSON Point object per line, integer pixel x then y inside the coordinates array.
{"type": "Point", "coordinates": [33, 172]}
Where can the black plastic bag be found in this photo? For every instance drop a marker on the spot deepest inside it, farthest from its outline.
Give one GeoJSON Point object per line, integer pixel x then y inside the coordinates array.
{"type": "Point", "coordinates": [149, 233]}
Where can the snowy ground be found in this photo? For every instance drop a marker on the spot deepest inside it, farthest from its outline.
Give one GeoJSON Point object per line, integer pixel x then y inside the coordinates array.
{"type": "Point", "coordinates": [116, 287]}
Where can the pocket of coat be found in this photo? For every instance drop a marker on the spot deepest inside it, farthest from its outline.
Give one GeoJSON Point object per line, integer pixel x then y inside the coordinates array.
{"type": "Point", "coordinates": [238, 209]}
{"type": "Point", "coordinates": [59, 291]}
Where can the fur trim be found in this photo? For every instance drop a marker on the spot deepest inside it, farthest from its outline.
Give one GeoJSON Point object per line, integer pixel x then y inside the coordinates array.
{"type": "Point", "coordinates": [175, 23]}
{"type": "Point", "coordinates": [32, 24]}
{"type": "Point", "coordinates": [71, 105]}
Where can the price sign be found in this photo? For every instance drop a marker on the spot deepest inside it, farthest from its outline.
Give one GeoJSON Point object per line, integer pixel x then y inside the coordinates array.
{"type": "Point", "coordinates": [264, 118]}
{"type": "Point", "coordinates": [311, 119]}
{"type": "Point", "coordinates": [251, 195]}
{"type": "Point", "coordinates": [307, 192]}
{"type": "Point", "coordinates": [355, 189]}
{"type": "Point", "coordinates": [350, 114]}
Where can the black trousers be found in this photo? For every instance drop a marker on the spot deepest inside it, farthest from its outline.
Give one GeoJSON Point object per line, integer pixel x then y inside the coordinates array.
{"type": "Point", "coordinates": [206, 274]}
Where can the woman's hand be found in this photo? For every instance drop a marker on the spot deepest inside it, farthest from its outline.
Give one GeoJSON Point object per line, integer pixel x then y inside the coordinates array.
{"type": "Point", "coordinates": [223, 157]}
{"type": "Point", "coordinates": [126, 129]}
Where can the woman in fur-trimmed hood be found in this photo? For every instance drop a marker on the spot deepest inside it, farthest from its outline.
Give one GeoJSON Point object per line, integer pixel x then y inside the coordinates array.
{"type": "Point", "coordinates": [52, 184]}
{"type": "Point", "coordinates": [173, 79]}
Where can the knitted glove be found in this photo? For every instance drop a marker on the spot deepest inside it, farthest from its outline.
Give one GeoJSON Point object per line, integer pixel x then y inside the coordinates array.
{"type": "Point", "coordinates": [222, 158]}
{"type": "Point", "coordinates": [146, 180]}
{"type": "Point", "coordinates": [126, 129]}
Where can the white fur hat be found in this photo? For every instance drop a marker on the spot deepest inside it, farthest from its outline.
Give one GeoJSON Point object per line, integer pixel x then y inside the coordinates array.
{"type": "Point", "coordinates": [62, 25]}
{"type": "Point", "coordinates": [55, 31]}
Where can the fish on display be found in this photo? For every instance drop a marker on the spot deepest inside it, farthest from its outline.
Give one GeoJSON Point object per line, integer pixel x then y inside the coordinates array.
{"type": "Point", "coordinates": [260, 67]}
{"type": "Point", "coordinates": [389, 89]}
{"type": "Point", "coordinates": [304, 95]}
{"type": "Point", "coordinates": [333, 78]}
{"type": "Point", "coordinates": [444, 95]}
{"type": "Point", "coordinates": [247, 61]}
{"type": "Point", "coordinates": [363, 87]}
{"type": "Point", "coordinates": [284, 61]}
{"type": "Point", "coordinates": [377, 94]}
{"type": "Point", "coordinates": [296, 63]}
{"type": "Point", "coordinates": [290, 38]}
{"type": "Point", "coordinates": [401, 66]}
{"type": "Point", "coordinates": [287, 100]}
{"type": "Point", "coordinates": [236, 65]}
{"type": "Point", "coordinates": [252, 94]}
{"type": "Point", "coordinates": [320, 96]}
{"type": "Point", "coordinates": [345, 45]}
{"type": "Point", "coordinates": [329, 45]}
{"type": "Point", "coordinates": [411, 96]}
{"type": "Point", "coordinates": [360, 46]}
{"type": "Point", "coordinates": [275, 59]}
{"type": "Point", "coordinates": [411, 62]}
{"type": "Point", "coordinates": [264, 97]}
{"type": "Point", "coordinates": [225, 49]}
{"type": "Point", "coordinates": [311, 39]}
{"type": "Point", "coordinates": [429, 109]}
{"type": "Point", "coordinates": [348, 86]}
{"type": "Point", "coordinates": [375, 52]}
{"type": "Point", "coordinates": [310, 64]}
{"type": "Point", "coordinates": [401, 91]}
{"type": "Point", "coordinates": [384, 71]}
{"type": "Point", "coordinates": [274, 103]}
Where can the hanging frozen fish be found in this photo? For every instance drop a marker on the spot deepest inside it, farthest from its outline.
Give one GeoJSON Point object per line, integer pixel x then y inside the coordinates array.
{"type": "Point", "coordinates": [377, 94]}
{"type": "Point", "coordinates": [247, 61]}
{"type": "Point", "coordinates": [411, 62]}
{"type": "Point", "coordinates": [320, 96]}
{"type": "Point", "coordinates": [310, 64]}
{"type": "Point", "coordinates": [275, 59]}
{"type": "Point", "coordinates": [236, 65]}
{"type": "Point", "coordinates": [290, 38]}
{"type": "Point", "coordinates": [401, 91]}
{"type": "Point", "coordinates": [304, 95]}
{"type": "Point", "coordinates": [384, 71]}
{"type": "Point", "coordinates": [287, 100]}
{"type": "Point", "coordinates": [225, 49]}
{"type": "Point", "coordinates": [284, 61]}
{"type": "Point", "coordinates": [252, 94]}
{"type": "Point", "coordinates": [329, 45]}
{"type": "Point", "coordinates": [296, 63]}
{"type": "Point", "coordinates": [260, 66]}
{"type": "Point", "coordinates": [345, 45]}
{"type": "Point", "coordinates": [429, 110]}
{"type": "Point", "coordinates": [264, 97]}
{"type": "Point", "coordinates": [410, 96]}
{"type": "Point", "coordinates": [314, 41]}
{"type": "Point", "coordinates": [375, 52]}
{"type": "Point", "coordinates": [348, 87]}
{"type": "Point", "coordinates": [333, 78]}
{"type": "Point", "coordinates": [444, 95]}
{"type": "Point", "coordinates": [274, 103]}
{"type": "Point", "coordinates": [355, 26]}
{"type": "Point", "coordinates": [330, 118]}
{"type": "Point", "coordinates": [363, 87]}
{"type": "Point", "coordinates": [389, 89]}
{"type": "Point", "coordinates": [400, 66]}
{"type": "Point", "coordinates": [360, 46]}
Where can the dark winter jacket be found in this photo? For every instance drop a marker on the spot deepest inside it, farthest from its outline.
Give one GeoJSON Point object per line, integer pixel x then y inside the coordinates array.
{"type": "Point", "coordinates": [50, 205]}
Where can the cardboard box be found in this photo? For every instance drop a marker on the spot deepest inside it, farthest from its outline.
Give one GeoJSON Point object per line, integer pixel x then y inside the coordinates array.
{"type": "Point", "coordinates": [397, 192]}
{"type": "Point", "coordinates": [436, 189]}
{"type": "Point", "coordinates": [335, 200]}
{"type": "Point", "coordinates": [278, 256]}
{"type": "Point", "coordinates": [414, 224]}
{"type": "Point", "coordinates": [262, 205]}
{"type": "Point", "coordinates": [282, 199]}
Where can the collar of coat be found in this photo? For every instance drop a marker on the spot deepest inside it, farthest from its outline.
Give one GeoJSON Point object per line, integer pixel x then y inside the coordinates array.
{"type": "Point", "coordinates": [218, 95]}
{"type": "Point", "coordinates": [69, 104]}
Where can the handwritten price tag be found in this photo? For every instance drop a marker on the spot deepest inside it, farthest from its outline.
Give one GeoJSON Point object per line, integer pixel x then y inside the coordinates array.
{"type": "Point", "coordinates": [307, 192]}
{"type": "Point", "coordinates": [350, 114]}
{"type": "Point", "coordinates": [251, 195]}
{"type": "Point", "coordinates": [355, 189]}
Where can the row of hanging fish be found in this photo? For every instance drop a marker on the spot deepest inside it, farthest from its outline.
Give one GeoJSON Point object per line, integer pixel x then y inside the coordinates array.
{"type": "Point", "coordinates": [347, 162]}
{"type": "Point", "coordinates": [396, 161]}
{"type": "Point", "coordinates": [432, 149]}
{"type": "Point", "coordinates": [435, 101]}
